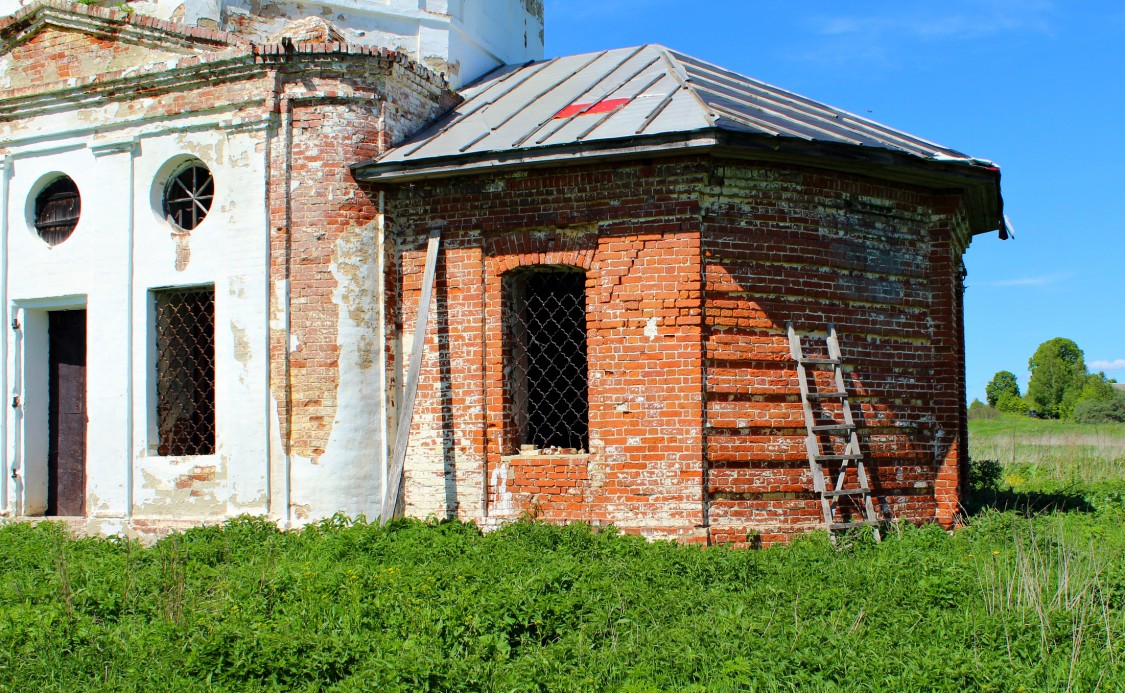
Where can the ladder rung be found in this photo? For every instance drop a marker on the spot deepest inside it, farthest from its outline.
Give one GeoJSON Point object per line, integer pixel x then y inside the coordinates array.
{"type": "Point", "coordinates": [833, 427]}
{"type": "Point", "coordinates": [849, 525]}
{"type": "Point", "coordinates": [837, 458]}
{"type": "Point", "coordinates": [819, 362]}
{"type": "Point", "coordinates": [847, 492]}
{"type": "Point", "coordinates": [827, 395]}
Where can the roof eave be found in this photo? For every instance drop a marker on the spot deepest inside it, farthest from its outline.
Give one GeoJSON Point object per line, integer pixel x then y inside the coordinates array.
{"type": "Point", "coordinates": [470, 164]}
{"type": "Point", "coordinates": [980, 181]}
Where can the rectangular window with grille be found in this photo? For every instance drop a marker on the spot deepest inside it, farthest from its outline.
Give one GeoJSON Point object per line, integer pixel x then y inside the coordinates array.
{"type": "Point", "coordinates": [545, 357]}
{"type": "Point", "coordinates": [185, 371]}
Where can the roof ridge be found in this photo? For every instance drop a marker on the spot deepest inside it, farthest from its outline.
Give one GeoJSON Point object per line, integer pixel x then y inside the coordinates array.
{"type": "Point", "coordinates": [839, 112]}
{"type": "Point", "coordinates": [680, 73]}
{"type": "Point", "coordinates": [664, 93]}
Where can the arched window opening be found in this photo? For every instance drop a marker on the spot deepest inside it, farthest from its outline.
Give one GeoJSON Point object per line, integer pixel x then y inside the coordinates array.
{"type": "Point", "coordinates": [545, 357]}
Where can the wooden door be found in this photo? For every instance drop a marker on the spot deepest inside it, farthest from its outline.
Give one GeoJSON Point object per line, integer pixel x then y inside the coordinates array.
{"type": "Point", "coordinates": [66, 450]}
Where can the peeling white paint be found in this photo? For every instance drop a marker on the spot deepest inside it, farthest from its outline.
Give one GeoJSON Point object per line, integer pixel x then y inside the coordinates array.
{"type": "Point", "coordinates": [114, 277]}
{"type": "Point", "coordinates": [504, 505]}
{"type": "Point", "coordinates": [92, 270]}
{"type": "Point", "coordinates": [345, 477]}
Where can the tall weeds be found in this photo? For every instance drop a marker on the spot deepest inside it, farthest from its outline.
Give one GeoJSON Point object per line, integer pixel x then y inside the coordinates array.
{"type": "Point", "coordinates": [1054, 581]}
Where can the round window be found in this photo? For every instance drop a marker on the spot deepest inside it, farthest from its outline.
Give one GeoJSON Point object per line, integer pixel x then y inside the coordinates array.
{"type": "Point", "coordinates": [57, 209]}
{"type": "Point", "coordinates": [188, 195]}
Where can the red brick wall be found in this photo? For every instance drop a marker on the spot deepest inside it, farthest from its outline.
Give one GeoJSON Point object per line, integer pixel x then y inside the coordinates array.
{"type": "Point", "coordinates": [696, 430]}
{"type": "Point", "coordinates": [882, 263]}
{"type": "Point", "coordinates": [635, 232]}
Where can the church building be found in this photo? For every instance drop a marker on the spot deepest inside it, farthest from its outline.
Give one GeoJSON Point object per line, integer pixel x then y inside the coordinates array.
{"type": "Point", "coordinates": [295, 259]}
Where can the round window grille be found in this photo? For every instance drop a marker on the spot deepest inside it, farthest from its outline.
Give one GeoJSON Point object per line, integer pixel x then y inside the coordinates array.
{"type": "Point", "coordinates": [188, 196]}
{"type": "Point", "coordinates": [57, 209]}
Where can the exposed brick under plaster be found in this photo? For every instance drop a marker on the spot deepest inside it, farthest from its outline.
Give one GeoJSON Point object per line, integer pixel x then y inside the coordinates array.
{"type": "Point", "coordinates": [317, 109]}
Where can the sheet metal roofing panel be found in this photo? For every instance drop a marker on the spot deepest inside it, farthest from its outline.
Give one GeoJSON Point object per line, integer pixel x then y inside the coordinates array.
{"type": "Point", "coordinates": [636, 92]}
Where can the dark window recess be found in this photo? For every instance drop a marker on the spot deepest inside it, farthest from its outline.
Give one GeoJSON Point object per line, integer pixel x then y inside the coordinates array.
{"type": "Point", "coordinates": [56, 211]}
{"type": "Point", "coordinates": [545, 357]}
{"type": "Point", "coordinates": [185, 372]}
{"type": "Point", "coordinates": [187, 199]}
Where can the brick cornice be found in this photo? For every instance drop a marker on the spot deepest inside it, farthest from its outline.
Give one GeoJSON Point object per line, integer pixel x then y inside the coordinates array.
{"type": "Point", "coordinates": [214, 50]}
{"type": "Point", "coordinates": [183, 74]}
{"type": "Point", "coordinates": [106, 20]}
{"type": "Point", "coordinates": [196, 71]}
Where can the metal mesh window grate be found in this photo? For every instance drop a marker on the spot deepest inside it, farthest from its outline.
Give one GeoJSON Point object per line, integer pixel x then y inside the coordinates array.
{"type": "Point", "coordinates": [56, 211]}
{"type": "Point", "coordinates": [545, 369]}
{"type": "Point", "coordinates": [185, 372]}
{"type": "Point", "coordinates": [187, 199]}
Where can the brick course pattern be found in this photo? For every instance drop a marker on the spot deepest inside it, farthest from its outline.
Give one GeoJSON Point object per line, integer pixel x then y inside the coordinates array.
{"type": "Point", "coordinates": [693, 266]}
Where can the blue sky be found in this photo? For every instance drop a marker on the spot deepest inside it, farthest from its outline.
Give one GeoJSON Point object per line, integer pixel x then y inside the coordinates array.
{"type": "Point", "coordinates": [1037, 86]}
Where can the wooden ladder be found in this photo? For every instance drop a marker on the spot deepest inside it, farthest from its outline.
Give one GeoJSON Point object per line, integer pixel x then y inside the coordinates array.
{"type": "Point", "coordinates": [819, 460]}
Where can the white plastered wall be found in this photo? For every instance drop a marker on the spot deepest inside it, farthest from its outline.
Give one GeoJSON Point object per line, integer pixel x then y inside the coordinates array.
{"type": "Point", "coordinates": [119, 253]}
{"type": "Point", "coordinates": [464, 39]}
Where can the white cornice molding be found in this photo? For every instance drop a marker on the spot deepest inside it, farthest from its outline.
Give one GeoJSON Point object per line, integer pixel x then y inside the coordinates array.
{"type": "Point", "coordinates": [129, 146]}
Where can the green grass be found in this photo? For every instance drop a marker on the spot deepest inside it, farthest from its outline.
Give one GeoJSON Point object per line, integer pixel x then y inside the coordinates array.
{"type": "Point", "coordinates": [1039, 455]}
{"type": "Point", "coordinates": [1006, 424]}
{"type": "Point", "coordinates": [1026, 599]}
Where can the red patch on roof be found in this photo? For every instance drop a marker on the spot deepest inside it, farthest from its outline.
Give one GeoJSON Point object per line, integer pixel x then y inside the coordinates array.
{"type": "Point", "coordinates": [576, 109]}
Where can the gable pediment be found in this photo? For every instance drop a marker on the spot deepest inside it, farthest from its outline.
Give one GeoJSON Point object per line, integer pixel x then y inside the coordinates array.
{"type": "Point", "coordinates": [53, 43]}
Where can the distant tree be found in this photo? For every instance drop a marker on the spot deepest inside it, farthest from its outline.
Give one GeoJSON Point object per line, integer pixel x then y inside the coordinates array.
{"type": "Point", "coordinates": [980, 410]}
{"type": "Point", "coordinates": [1058, 374]}
{"type": "Point", "coordinates": [1013, 404]}
{"type": "Point", "coordinates": [1098, 388]}
{"type": "Point", "coordinates": [1100, 411]}
{"type": "Point", "coordinates": [1002, 383]}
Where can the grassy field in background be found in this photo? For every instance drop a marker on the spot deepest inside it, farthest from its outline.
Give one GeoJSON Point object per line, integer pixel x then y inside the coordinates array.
{"type": "Point", "coordinates": [1028, 596]}
{"type": "Point", "coordinates": [1048, 455]}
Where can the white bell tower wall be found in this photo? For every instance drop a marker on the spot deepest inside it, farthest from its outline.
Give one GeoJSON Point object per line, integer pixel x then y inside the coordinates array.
{"type": "Point", "coordinates": [463, 39]}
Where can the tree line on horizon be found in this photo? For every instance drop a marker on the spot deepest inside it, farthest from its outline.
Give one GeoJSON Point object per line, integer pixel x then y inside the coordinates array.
{"type": "Point", "coordinates": [1060, 387]}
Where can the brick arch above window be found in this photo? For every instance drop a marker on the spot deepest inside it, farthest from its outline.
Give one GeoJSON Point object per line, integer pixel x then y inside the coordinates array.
{"type": "Point", "coordinates": [573, 247]}
{"type": "Point", "coordinates": [578, 259]}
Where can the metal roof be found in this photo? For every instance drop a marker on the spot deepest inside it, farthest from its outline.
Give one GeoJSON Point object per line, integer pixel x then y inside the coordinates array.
{"type": "Point", "coordinates": [633, 93]}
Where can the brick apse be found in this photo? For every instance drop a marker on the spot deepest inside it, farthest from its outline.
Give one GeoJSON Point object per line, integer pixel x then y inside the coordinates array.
{"type": "Point", "coordinates": [692, 268]}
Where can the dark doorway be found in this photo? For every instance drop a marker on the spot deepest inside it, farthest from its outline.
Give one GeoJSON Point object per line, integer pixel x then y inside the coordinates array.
{"type": "Point", "coordinates": [66, 449]}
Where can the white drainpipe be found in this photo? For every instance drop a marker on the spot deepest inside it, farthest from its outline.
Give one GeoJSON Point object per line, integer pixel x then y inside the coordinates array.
{"type": "Point", "coordinates": [130, 450]}
{"type": "Point", "coordinates": [5, 171]}
{"type": "Point", "coordinates": [381, 342]}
